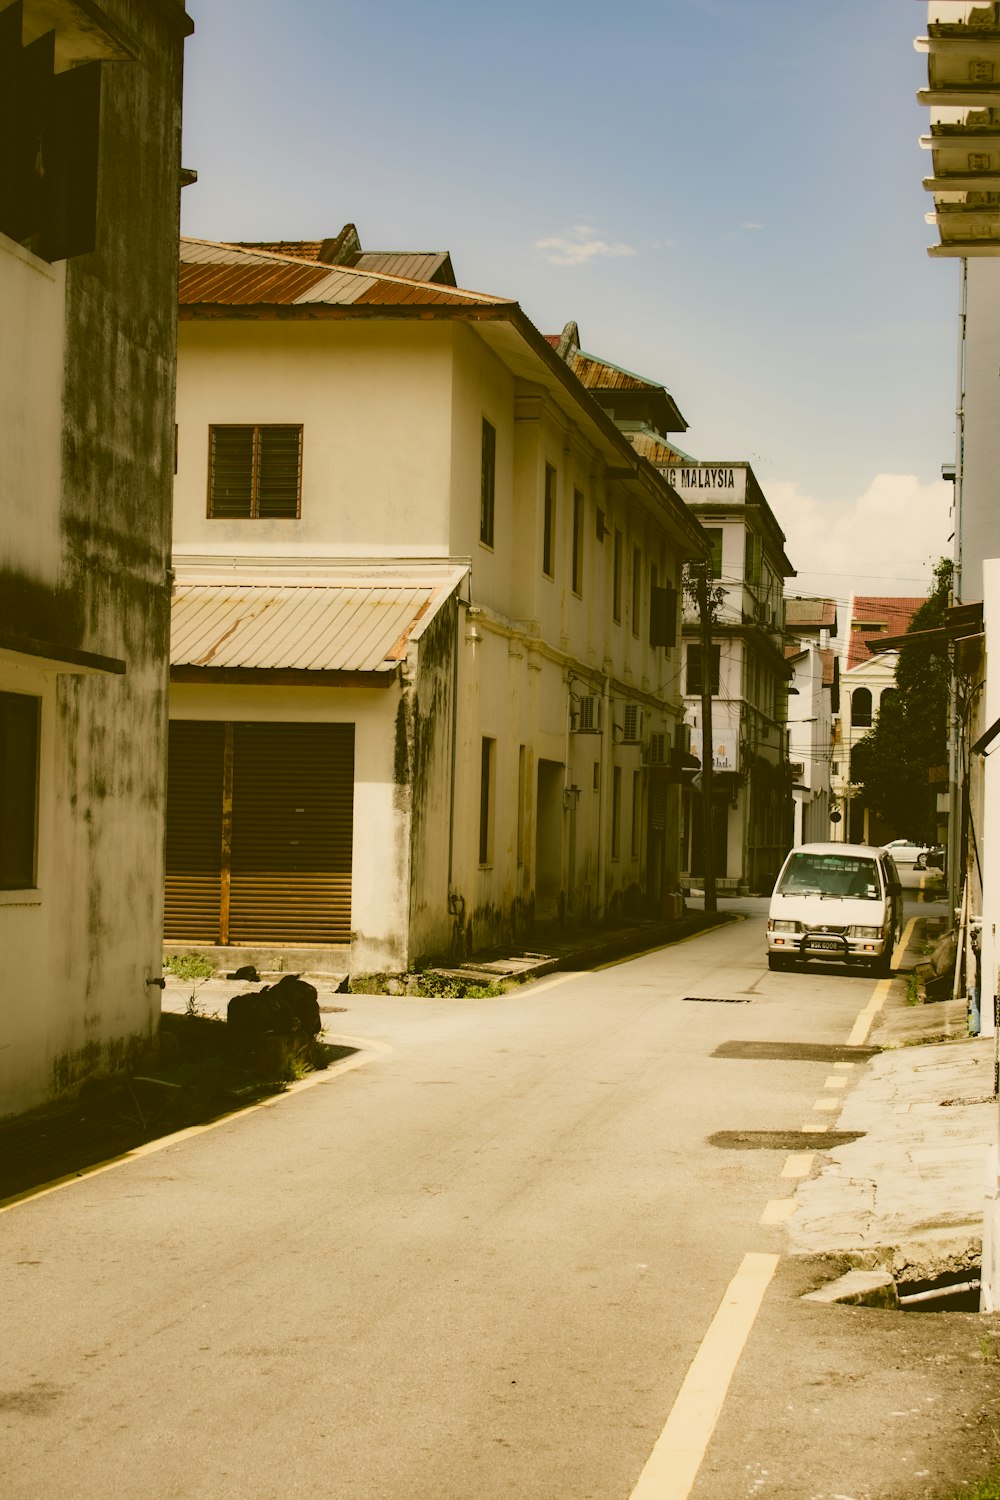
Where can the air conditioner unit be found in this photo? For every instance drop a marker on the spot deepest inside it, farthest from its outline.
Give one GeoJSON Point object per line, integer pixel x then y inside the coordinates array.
{"type": "Point", "coordinates": [589, 714]}
{"type": "Point", "coordinates": [633, 723]}
{"type": "Point", "coordinates": [658, 750]}
{"type": "Point", "coordinates": [797, 767]}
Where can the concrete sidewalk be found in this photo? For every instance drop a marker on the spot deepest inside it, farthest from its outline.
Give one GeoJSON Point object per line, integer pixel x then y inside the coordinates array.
{"type": "Point", "coordinates": [908, 1194]}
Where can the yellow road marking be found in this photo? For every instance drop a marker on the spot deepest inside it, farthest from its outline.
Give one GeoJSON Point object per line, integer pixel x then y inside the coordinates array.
{"type": "Point", "coordinates": [827, 1104]}
{"type": "Point", "coordinates": [836, 1081]}
{"type": "Point", "coordinates": [673, 1465]}
{"type": "Point", "coordinates": [777, 1210]}
{"type": "Point", "coordinates": [798, 1164]}
{"type": "Point", "coordinates": [149, 1148]}
{"type": "Point", "coordinates": [863, 1024]}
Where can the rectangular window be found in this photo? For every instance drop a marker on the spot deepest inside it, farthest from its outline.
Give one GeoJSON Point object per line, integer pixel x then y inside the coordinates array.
{"type": "Point", "coordinates": [486, 801]}
{"type": "Point", "coordinates": [694, 669]}
{"type": "Point", "coordinates": [662, 617]}
{"type": "Point", "coordinates": [488, 484]}
{"type": "Point", "coordinates": [616, 811]}
{"type": "Point", "coordinates": [616, 591]}
{"type": "Point", "coordinates": [577, 542]}
{"type": "Point", "coordinates": [254, 473]}
{"type": "Point", "coordinates": [549, 533]}
{"type": "Point", "coordinates": [19, 720]}
{"type": "Point", "coordinates": [636, 811]}
{"type": "Point", "coordinates": [636, 589]}
{"type": "Point", "coordinates": [714, 534]}
{"type": "Point", "coordinates": [752, 558]}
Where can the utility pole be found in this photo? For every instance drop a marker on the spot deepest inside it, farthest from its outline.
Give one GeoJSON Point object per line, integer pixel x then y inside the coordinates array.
{"type": "Point", "coordinates": [707, 737]}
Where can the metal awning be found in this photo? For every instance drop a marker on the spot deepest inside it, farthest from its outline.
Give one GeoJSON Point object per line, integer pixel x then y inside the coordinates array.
{"type": "Point", "coordinates": [310, 628]}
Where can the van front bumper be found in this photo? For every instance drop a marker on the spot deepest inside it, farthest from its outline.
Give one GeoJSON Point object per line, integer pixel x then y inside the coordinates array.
{"type": "Point", "coordinates": [834, 947]}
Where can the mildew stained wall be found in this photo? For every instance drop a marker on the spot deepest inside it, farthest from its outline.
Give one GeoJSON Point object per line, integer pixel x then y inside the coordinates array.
{"type": "Point", "coordinates": [86, 400]}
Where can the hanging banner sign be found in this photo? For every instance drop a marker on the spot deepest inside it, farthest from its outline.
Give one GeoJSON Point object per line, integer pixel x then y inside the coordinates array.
{"type": "Point", "coordinates": [724, 755]}
{"type": "Point", "coordinates": [709, 481]}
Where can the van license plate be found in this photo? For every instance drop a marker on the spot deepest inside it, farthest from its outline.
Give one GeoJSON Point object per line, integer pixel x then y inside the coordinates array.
{"type": "Point", "coordinates": [826, 945]}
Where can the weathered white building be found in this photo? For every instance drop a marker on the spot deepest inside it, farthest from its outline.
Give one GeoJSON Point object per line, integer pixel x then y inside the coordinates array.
{"type": "Point", "coordinates": [425, 661]}
{"type": "Point", "coordinates": [752, 816]}
{"type": "Point", "coordinates": [88, 264]}
{"type": "Point", "coordinates": [810, 626]}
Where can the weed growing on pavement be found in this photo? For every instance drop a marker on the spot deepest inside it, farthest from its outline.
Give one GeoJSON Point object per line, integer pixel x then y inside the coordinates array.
{"type": "Point", "coordinates": [988, 1349]}
{"type": "Point", "coordinates": [440, 987]}
{"type": "Point", "coordinates": [912, 990]}
{"type": "Point", "coordinates": [188, 965]}
{"type": "Point", "coordinates": [986, 1489]}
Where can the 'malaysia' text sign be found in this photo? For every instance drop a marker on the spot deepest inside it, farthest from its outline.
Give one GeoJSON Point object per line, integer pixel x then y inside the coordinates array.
{"type": "Point", "coordinates": [709, 481]}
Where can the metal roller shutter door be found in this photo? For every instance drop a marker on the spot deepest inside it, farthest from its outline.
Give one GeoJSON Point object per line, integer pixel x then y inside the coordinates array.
{"type": "Point", "coordinates": [192, 897]}
{"type": "Point", "coordinates": [292, 833]}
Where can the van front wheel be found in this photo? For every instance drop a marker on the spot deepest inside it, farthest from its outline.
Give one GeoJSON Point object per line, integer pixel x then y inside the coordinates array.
{"type": "Point", "coordinates": [778, 961]}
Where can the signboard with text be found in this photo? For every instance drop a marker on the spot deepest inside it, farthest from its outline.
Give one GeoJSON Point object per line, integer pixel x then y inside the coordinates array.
{"type": "Point", "coordinates": [725, 756]}
{"type": "Point", "coordinates": [709, 481]}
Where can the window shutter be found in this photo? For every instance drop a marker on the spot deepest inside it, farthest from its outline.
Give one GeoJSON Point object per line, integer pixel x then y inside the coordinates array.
{"type": "Point", "coordinates": [663, 617]}
{"type": "Point", "coordinates": [232, 471]}
{"type": "Point", "coordinates": [279, 465]}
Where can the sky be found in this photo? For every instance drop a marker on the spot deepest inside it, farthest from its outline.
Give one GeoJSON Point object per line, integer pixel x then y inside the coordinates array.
{"type": "Point", "coordinates": [725, 195]}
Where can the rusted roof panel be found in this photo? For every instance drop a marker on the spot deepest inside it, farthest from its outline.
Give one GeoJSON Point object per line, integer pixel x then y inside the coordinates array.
{"type": "Point", "coordinates": [597, 374]}
{"type": "Point", "coordinates": [230, 275]}
{"type": "Point", "coordinates": [651, 446]}
{"type": "Point", "coordinates": [309, 627]}
{"type": "Point", "coordinates": [277, 284]}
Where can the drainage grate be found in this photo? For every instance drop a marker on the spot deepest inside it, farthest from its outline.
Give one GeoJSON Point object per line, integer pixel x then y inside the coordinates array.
{"type": "Point", "coordinates": [782, 1140]}
{"type": "Point", "coordinates": [719, 999]}
{"type": "Point", "coordinates": [794, 1052]}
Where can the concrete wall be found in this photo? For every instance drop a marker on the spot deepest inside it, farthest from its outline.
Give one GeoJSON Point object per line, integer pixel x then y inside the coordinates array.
{"type": "Point", "coordinates": [979, 536]}
{"type": "Point", "coordinates": [87, 363]}
{"type": "Point", "coordinates": [374, 400]}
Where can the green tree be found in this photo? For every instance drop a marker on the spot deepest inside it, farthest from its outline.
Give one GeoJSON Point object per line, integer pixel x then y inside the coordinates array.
{"type": "Point", "coordinates": [910, 733]}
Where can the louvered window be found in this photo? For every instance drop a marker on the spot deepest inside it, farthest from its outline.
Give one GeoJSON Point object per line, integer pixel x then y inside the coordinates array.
{"type": "Point", "coordinates": [255, 472]}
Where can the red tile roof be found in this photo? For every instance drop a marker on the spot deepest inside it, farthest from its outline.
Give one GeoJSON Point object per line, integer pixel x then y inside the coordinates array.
{"type": "Point", "coordinates": [872, 616]}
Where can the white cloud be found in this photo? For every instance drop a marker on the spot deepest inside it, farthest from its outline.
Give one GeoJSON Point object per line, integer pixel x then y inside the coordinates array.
{"type": "Point", "coordinates": [579, 247]}
{"type": "Point", "coordinates": [884, 542]}
{"type": "Point", "coordinates": [749, 224]}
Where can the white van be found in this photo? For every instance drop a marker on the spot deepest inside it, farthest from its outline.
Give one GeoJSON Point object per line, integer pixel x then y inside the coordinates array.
{"type": "Point", "coordinates": [838, 902]}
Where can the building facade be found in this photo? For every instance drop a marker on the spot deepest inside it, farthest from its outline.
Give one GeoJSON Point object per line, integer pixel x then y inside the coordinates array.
{"type": "Point", "coordinates": [88, 263]}
{"type": "Point", "coordinates": [865, 680]}
{"type": "Point", "coordinates": [813, 696]}
{"type": "Point", "coordinates": [356, 447]}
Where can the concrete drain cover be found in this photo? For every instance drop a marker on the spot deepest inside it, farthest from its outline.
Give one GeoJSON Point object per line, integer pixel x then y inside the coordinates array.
{"type": "Point", "coordinates": [782, 1140]}
{"type": "Point", "coordinates": [718, 999]}
{"type": "Point", "coordinates": [794, 1052]}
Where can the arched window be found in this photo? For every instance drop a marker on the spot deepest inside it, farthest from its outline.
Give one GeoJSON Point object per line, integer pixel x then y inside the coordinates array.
{"type": "Point", "coordinates": [861, 708]}
{"type": "Point", "coordinates": [887, 697]}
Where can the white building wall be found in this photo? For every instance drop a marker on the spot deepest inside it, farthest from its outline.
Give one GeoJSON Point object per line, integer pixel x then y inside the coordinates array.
{"type": "Point", "coordinates": [979, 518]}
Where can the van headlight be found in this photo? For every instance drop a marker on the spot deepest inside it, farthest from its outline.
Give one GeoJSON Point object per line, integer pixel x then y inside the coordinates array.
{"type": "Point", "coordinates": [779, 925]}
{"type": "Point", "coordinates": [864, 932]}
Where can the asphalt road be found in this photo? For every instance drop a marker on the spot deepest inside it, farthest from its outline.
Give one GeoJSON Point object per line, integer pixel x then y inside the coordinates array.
{"type": "Point", "coordinates": [477, 1266]}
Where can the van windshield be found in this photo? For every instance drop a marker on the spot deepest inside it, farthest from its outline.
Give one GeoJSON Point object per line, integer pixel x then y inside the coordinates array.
{"type": "Point", "coordinates": [850, 876]}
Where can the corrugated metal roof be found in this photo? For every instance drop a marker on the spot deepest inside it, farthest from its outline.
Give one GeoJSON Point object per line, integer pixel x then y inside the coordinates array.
{"type": "Point", "coordinates": [653, 447]}
{"type": "Point", "coordinates": [416, 265]}
{"type": "Point", "coordinates": [308, 627]}
{"type": "Point", "coordinates": [230, 275]}
{"type": "Point", "coordinates": [598, 374]}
